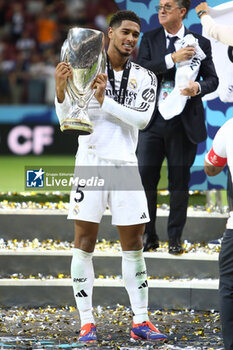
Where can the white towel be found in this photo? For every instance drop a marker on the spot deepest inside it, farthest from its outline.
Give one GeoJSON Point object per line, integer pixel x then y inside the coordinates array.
{"type": "Point", "coordinates": [186, 70]}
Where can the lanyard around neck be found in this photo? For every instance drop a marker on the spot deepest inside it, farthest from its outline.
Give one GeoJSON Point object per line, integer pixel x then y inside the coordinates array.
{"type": "Point", "coordinates": [124, 81]}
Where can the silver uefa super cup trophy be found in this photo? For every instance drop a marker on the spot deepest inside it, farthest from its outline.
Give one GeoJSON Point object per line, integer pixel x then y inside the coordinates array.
{"type": "Point", "coordinates": [84, 50]}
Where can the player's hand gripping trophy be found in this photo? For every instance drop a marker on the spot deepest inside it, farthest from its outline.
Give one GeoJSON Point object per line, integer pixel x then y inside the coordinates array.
{"type": "Point", "coordinates": [84, 51]}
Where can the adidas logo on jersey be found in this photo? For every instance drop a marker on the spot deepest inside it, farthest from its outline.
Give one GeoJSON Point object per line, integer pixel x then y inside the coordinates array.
{"type": "Point", "coordinates": [143, 216]}
{"type": "Point", "coordinates": [81, 294]}
{"type": "Point", "coordinates": [143, 285]}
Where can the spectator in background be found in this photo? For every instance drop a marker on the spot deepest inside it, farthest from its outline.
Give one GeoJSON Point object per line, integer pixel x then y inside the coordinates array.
{"type": "Point", "coordinates": [34, 7]}
{"type": "Point", "coordinates": [77, 11]}
{"type": "Point", "coordinates": [47, 29]}
{"type": "Point", "coordinates": [26, 44]}
{"type": "Point", "coordinates": [3, 21]}
{"type": "Point", "coordinates": [7, 66]}
{"type": "Point", "coordinates": [51, 61]}
{"type": "Point", "coordinates": [41, 85]}
{"type": "Point", "coordinates": [36, 83]}
{"type": "Point", "coordinates": [18, 79]}
{"type": "Point", "coordinates": [17, 20]}
{"type": "Point", "coordinates": [100, 13]}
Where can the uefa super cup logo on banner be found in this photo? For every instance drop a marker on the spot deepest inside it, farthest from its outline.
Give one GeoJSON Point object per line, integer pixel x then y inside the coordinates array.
{"type": "Point", "coordinates": [84, 50]}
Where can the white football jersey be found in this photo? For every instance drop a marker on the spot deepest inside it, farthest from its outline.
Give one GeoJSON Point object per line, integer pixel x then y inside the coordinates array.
{"type": "Point", "coordinates": [116, 126]}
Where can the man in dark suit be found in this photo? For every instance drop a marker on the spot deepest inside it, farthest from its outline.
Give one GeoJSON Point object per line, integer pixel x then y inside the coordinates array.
{"type": "Point", "coordinates": [175, 139]}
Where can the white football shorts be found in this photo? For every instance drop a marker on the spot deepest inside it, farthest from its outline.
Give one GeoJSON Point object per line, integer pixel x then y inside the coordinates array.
{"type": "Point", "coordinates": [103, 183]}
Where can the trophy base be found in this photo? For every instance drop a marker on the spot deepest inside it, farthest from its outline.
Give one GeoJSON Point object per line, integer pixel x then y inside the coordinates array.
{"type": "Point", "coordinates": [76, 126]}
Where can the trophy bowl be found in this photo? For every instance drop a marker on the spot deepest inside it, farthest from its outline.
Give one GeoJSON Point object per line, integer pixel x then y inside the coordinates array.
{"type": "Point", "coordinates": [84, 51]}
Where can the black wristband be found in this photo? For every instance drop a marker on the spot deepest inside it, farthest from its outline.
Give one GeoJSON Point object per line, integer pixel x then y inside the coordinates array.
{"type": "Point", "coordinates": [200, 13]}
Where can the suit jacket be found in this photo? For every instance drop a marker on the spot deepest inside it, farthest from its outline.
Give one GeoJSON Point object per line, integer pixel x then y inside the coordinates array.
{"type": "Point", "coordinates": [152, 54]}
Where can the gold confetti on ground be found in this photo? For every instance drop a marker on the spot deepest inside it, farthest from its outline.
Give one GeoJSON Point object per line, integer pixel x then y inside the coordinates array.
{"type": "Point", "coordinates": [52, 327]}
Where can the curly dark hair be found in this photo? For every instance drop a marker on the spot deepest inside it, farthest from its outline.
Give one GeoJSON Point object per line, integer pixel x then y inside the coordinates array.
{"type": "Point", "coordinates": [124, 15]}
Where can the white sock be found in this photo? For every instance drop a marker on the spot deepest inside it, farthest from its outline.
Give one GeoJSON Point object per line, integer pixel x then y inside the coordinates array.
{"type": "Point", "coordinates": [135, 280]}
{"type": "Point", "coordinates": [82, 273]}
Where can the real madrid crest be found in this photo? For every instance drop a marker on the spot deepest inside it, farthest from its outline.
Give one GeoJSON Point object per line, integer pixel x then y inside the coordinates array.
{"type": "Point", "coordinates": [76, 210]}
{"type": "Point", "coordinates": [133, 83]}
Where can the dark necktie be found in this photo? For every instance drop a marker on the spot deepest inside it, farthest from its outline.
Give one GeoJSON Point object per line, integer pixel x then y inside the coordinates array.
{"type": "Point", "coordinates": [170, 75]}
{"type": "Point", "coordinates": [171, 46]}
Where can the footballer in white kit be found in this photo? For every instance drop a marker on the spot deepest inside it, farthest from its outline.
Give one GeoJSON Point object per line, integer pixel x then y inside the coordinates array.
{"type": "Point", "coordinates": [123, 102]}
{"type": "Point", "coordinates": [113, 144]}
